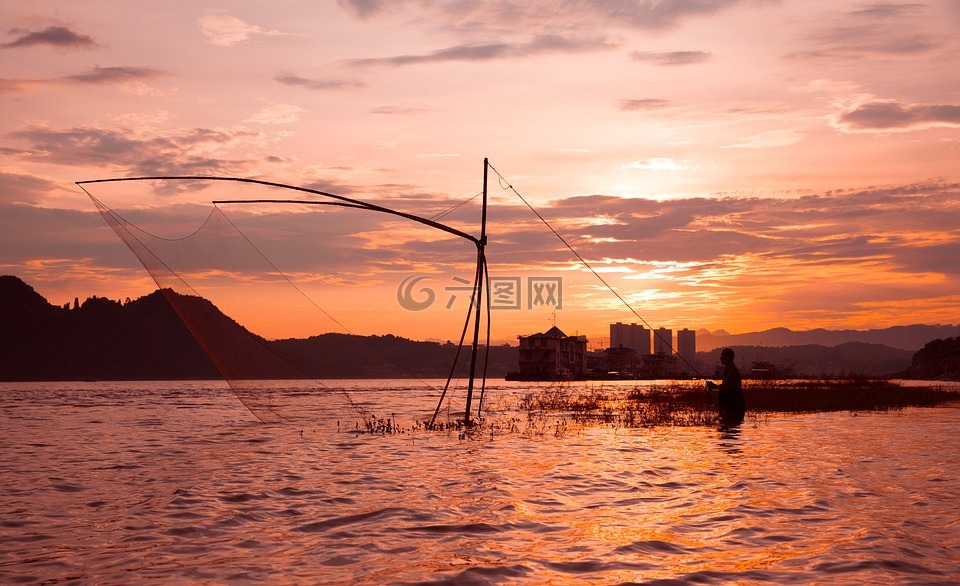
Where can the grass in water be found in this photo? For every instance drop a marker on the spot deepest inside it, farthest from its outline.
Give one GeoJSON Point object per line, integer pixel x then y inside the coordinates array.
{"type": "Point", "coordinates": [565, 408]}
{"type": "Point", "coordinates": [813, 396]}
{"type": "Point", "coordinates": [686, 404]}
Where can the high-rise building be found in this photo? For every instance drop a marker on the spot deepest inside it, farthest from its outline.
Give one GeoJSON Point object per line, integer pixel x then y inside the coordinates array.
{"type": "Point", "coordinates": [632, 336]}
{"type": "Point", "coordinates": [687, 345]}
{"type": "Point", "coordinates": [663, 341]}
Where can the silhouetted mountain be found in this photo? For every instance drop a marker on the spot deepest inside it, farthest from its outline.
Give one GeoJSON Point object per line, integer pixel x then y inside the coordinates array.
{"type": "Point", "coordinates": [386, 356]}
{"type": "Point", "coordinates": [909, 338]}
{"type": "Point", "coordinates": [99, 339]}
{"type": "Point", "coordinates": [937, 360]}
{"type": "Point", "coordinates": [146, 339]}
{"type": "Point", "coordinates": [813, 360]}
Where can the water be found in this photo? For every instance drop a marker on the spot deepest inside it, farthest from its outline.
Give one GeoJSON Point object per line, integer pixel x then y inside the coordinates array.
{"type": "Point", "coordinates": [118, 483]}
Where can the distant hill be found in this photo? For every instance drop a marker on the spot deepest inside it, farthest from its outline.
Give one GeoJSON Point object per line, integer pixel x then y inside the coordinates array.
{"type": "Point", "coordinates": [386, 356]}
{"type": "Point", "coordinates": [813, 360]}
{"type": "Point", "coordinates": [910, 338]}
{"type": "Point", "coordinates": [100, 339]}
{"type": "Point", "coordinates": [937, 360]}
{"type": "Point", "coordinates": [145, 339]}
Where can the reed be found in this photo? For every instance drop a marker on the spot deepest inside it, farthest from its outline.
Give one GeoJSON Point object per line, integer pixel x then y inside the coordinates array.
{"type": "Point", "coordinates": [680, 404]}
{"type": "Point", "coordinates": [813, 396]}
{"type": "Point", "coordinates": [564, 408]}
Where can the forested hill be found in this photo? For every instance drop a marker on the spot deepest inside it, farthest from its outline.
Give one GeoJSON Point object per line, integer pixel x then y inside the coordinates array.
{"type": "Point", "coordinates": [814, 360]}
{"type": "Point", "coordinates": [98, 339]}
{"type": "Point", "coordinates": [144, 339]}
{"type": "Point", "coordinates": [938, 360]}
{"type": "Point", "coordinates": [910, 338]}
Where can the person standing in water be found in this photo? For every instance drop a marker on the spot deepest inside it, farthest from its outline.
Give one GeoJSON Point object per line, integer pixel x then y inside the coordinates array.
{"type": "Point", "coordinates": [730, 402]}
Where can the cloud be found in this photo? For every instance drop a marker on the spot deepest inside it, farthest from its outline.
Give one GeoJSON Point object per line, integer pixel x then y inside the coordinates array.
{"type": "Point", "coordinates": [19, 188]}
{"type": "Point", "coordinates": [408, 109]}
{"type": "Point", "coordinates": [130, 77]}
{"type": "Point", "coordinates": [837, 228]}
{"type": "Point", "coordinates": [542, 45]}
{"type": "Point", "coordinates": [890, 115]}
{"type": "Point", "coordinates": [883, 29]}
{"type": "Point", "coordinates": [661, 164]}
{"type": "Point", "coordinates": [317, 84]}
{"type": "Point", "coordinates": [188, 152]}
{"type": "Point", "coordinates": [9, 86]}
{"type": "Point", "coordinates": [642, 104]}
{"type": "Point", "coordinates": [365, 8]}
{"type": "Point", "coordinates": [655, 14]}
{"type": "Point", "coordinates": [768, 140]}
{"type": "Point", "coordinates": [53, 36]}
{"type": "Point", "coordinates": [768, 259]}
{"type": "Point", "coordinates": [226, 31]}
{"type": "Point", "coordinates": [545, 14]}
{"type": "Point", "coordinates": [772, 260]}
{"type": "Point", "coordinates": [111, 75]}
{"type": "Point", "coordinates": [32, 235]}
{"type": "Point", "coordinates": [887, 10]}
{"type": "Point", "coordinates": [671, 58]}
{"type": "Point", "coordinates": [277, 114]}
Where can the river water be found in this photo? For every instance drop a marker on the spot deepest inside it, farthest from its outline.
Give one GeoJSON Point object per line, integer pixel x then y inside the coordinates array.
{"type": "Point", "coordinates": [175, 482]}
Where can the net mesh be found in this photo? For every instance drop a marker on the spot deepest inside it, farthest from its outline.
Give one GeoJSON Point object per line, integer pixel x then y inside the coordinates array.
{"type": "Point", "coordinates": [285, 337]}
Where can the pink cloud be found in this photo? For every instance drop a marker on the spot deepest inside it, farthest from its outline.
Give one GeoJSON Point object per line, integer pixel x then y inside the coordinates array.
{"type": "Point", "coordinates": [671, 58]}
{"type": "Point", "coordinates": [546, 44]}
{"type": "Point", "coordinates": [643, 104]}
{"type": "Point", "coordinates": [53, 36]}
{"type": "Point", "coordinates": [176, 153]}
{"type": "Point", "coordinates": [118, 74]}
{"type": "Point", "coordinates": [551, 14]}
{"type": "Point", "coordinates": [329, 84]}
{"type": "Point", "coordinates": [888, 115]}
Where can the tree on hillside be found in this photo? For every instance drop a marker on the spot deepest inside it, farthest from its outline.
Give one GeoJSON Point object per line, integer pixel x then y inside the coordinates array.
{"type": "Point", "coordinates": [939, 359]}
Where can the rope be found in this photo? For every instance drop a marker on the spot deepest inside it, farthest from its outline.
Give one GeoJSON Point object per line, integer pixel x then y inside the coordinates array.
{"type": "Point", "coordinates": [324, 312]}
{"type": "Point", "coordinates": [505, 185]}
{"type": "Point", "coordinates": [126, 226]}
{"type": "Point", "coordinates": [442, 214]}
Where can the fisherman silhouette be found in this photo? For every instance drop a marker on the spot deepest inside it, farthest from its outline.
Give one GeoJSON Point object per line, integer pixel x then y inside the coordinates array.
{"type": "Point", "coordinates": [730, 401]}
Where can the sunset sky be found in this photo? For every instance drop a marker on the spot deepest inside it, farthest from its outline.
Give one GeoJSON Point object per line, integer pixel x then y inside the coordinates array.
{"type": "Point", "coordinates": [723, 164]}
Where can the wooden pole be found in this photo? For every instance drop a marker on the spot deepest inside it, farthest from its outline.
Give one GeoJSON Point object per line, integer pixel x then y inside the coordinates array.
{"type": "Point", "coordinates": [478, 301]}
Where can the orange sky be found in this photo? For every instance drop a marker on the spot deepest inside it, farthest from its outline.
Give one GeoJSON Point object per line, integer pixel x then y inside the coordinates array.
{"type": "Point", "coordinates": [728, 164]}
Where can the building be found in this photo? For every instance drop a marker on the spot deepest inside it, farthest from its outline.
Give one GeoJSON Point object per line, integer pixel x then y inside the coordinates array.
{"type": "Point", "coordinates": [552, 355]}
{"type": "Point", "coordinates": [687, 347]}
{"type": "Point", "coordinates": [597, 363]}
{"type": "Point", "coordinates": [660, 365]}
{"type": "Point", "coordinates": [632, 336]}
{"type": "Point", "coordinates": [622, 362]}
{"type": "Point", "coordinates": [663, 341]}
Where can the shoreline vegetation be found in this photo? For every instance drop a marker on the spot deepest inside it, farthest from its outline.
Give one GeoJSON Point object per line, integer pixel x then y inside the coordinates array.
{"type": "Point", "coordinates": [682, 404]}
{"type": "Point", "coordinates": [566, 407]}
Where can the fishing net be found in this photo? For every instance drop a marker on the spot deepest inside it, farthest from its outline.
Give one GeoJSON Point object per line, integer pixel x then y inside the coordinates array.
{"type": "Point", "coordinates": [300, 301]}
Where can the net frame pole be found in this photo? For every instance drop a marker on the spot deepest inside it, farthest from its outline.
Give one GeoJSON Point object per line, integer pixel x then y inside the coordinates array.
{"type": "Point", "coordinates": [481, 276]}
{"type": "Point", "coordinates": [339, 200]}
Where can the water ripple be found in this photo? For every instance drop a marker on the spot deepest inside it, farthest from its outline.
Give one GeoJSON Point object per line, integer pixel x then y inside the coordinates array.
{"type": "Point", "coordinates": [171, 485]}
